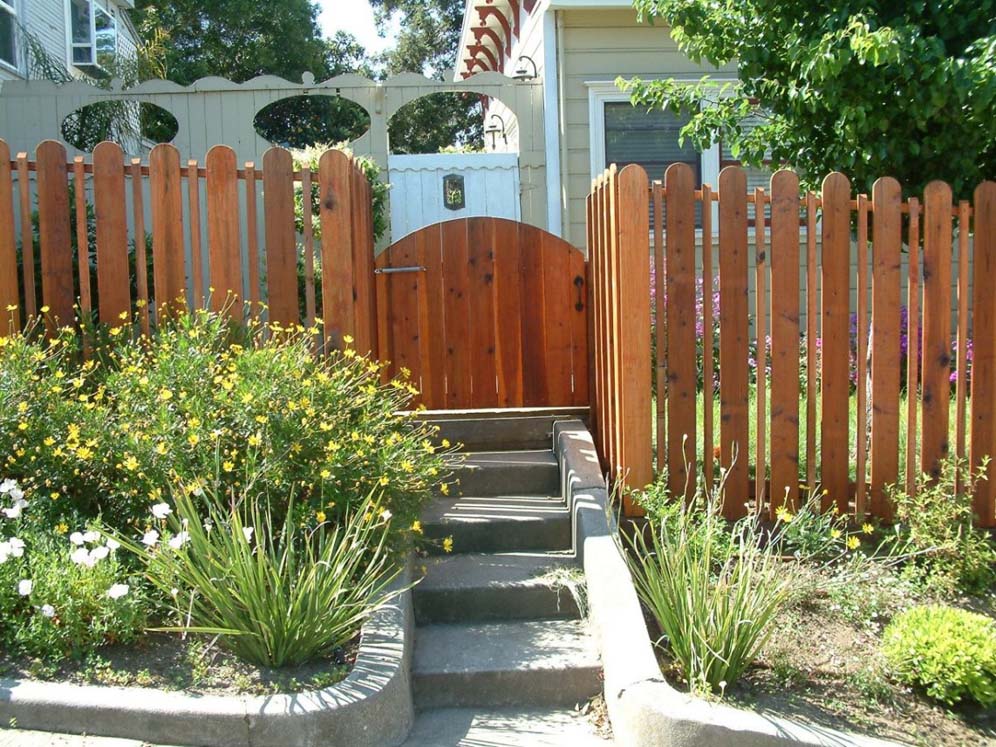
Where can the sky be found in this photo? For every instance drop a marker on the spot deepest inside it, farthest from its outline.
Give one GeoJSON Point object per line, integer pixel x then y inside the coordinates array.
{"type": "Point", "coordinates": [354, 16]}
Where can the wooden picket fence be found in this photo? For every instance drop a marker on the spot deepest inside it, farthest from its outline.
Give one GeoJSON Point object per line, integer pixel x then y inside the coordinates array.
{"type": "Point", "coordinates": [204, 225]}
{"type": "Point", "coordinates": [794, 235]}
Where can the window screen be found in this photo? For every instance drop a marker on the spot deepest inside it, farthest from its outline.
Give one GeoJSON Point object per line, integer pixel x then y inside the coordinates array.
{"type": "Point", "coordinates": [634, 135]}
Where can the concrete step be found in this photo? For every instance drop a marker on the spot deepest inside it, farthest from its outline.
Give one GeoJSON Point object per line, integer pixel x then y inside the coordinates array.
{"type": "Point", "coordinates": [507, 586]}
{"type": "Point", "coordinates": [537, 664]}
{"type": "Point", "coordinates": [501, 430]}
{"type": "Point", "coordinates": [524, 523]}
{"type": "Point", "coordinates": [523, 472]}
{"type": "Point", "coordinates": [464, 727]}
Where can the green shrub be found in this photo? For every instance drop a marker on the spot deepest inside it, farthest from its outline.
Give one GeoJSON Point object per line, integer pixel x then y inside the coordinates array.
{"type": "Point", "coordinates": [949, 652]}
{"type": "Point", "coordinates": [936, 526]}
{"type": "Point", "coordinates": [276, 593]}
{"type": "Point", "coordinates": [113, 437]}
{"type": "Point", "coordinates": [63, 596]}
{"type": "Point", "coordinates": [713, 599]}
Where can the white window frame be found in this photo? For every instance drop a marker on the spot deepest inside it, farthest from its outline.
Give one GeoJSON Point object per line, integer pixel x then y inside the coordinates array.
{"type": "Point", "coordinates": [602, 92]}
{"type": "Point", "coordinates": [10, 7]}
{"type": "Point", "coordinates": [71, 46]}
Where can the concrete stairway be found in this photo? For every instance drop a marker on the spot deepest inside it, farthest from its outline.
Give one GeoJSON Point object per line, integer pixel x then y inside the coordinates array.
{"type": "Point", "coordinates": [501, 654]}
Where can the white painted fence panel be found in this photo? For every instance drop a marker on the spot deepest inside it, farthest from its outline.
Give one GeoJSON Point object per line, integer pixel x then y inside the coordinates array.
{"type": "Point", "coordinates": [490, 188]}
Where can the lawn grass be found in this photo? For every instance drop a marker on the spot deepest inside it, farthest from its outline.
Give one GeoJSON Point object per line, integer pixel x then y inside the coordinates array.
{"type": "Point", "coordinates": [803, 400]}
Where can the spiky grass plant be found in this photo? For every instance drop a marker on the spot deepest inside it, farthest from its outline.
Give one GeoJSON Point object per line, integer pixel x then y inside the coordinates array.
{"type": "Point", "coordinates": [277, 594]}
{"type": "Point", "coordinates": [713, 589]}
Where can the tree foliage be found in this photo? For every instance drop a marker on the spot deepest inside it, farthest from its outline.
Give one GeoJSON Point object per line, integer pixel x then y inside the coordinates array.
{"type": "Point", "coordinates": [428, 42]}
{"type": "Point", "coordinates": [905, 88]}
{"type": "Point", "coordinates": [241, 39]}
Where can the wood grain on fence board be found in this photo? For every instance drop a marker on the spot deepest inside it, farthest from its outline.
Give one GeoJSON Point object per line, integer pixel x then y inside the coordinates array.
{"type": "Point", "coordinates": [58, 292]}
{"type": "Point", "coordinates": [635, 360]}
{"type": "Point", "coordinates": [335, 209]}
{"type": "Point", "coordinates": [835, 353]}
{"type": "Point", "coordinates": [224, 243]}
{"type": "Point", "coordinates": [456, 312]}
{"type": "Point", "coordinates": [887, 241]}
{"type": "Point", "coordinates": [733, 330]}
{"type": "Point", "coordinates": [580, 330]}
{"type": "Point", "coordinates": [433, 331]}
{"type": "Point", "coordinates": [428, 372]}
{"type": "Point", "coordinates": [196, 255]}
{"type": "Point", "coordinates": [612, 300]}
{"type": "Point", "coordinates": [282, 292]}
{"type": "Point", "coordinates": [537, 364]}
{"type": "Point", "coordinates": [141, 250]}
{"type": "Point", "coordinates": [10, 313]}
{"type": "Point", "coordinates": [27, 238]}
{"type": "Point", "coordinates": [812, 332]}
{"type": "Point", "coordinates": [680, 337]}
{"type": "Point", "coordinates": [481, 248]}
{"type": "Point", "coordinates": [983, 401]}
{"type": "Point", "coordinates": [913, 357]}
{"type": "Point", "coordinates": [508, 331]}
{"type": "Point", "coordinates": [166, 197]}
{"type": "Point", "coordinates": [936, 351]}
{"type": "Point", "coordinates": [784, 340]}
{"type": "Point", "coordinates": [558, 296]}
{"type": "Point", "coordinates": [365, 324]}
{"type": "Point", "coordinates": [708, 433]}
{"type": "Point", "coordinates": [113, 276]}
{"type": "Point", "coordinates": [595, 233]}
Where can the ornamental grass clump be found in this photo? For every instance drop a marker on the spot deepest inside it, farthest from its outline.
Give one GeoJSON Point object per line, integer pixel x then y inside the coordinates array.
{"type": "Point", "coordinates": [949, 652]}
{"type": "Point", "coordinates": [278, 594]}
{"type": "Point", "coordinates": [713, 590]}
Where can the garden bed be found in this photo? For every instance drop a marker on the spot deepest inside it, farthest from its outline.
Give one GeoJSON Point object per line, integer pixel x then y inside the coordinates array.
{"type": "Point", "coordinates": [823, 667]}
{"type": "Point", "coordinates": [196, 664]}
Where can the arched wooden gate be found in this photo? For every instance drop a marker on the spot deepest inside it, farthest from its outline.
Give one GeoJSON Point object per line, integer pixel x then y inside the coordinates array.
{"type": "Point", "coordinates": [485, 312]}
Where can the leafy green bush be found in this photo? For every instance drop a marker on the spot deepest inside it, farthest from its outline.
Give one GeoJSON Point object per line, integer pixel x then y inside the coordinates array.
{"type": "Point", "coordinates": [277, 594]}
{"type": "Point", "coordinates": [936, 525]}
{"type": "Point", "coordinates": [62, 596]}
{"type": "Point", "coordinates": [950, 652]}
{"type": "Point", "coordinates": [713, 598]}
{"type": "Point", "coordinates": [113, 437]}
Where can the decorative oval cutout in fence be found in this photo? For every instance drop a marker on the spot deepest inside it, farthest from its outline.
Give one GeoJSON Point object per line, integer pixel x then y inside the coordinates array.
{"type": "Point", "coordinates": [486, 312]}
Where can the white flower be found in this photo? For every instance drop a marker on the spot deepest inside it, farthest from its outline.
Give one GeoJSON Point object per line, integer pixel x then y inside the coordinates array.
{"type": "Point", "coordinates": [150, 538]}
{"type": "Point", "coordinates": [15, 511]}
{"type": "Point", "coordinates": [386, 516]}
{"type": "Point", "coordinates": [16, 494]}
{"type": "Point", "coordinates": [77, 538]}
{"type": "Point", "coordinates": [99, 553]}
{"type": "Point", "coordinates": [80, 556]}
{"type": "Point", "coordinates": [5, 551]}
{"type": "Point", "coordinates": [208, 525]}
{"type": "Point", "coordinates": [174, 591]}
{"type": "Point", "coordinates": [117, 591]}
{"type": "Point", "coordinates": [161, 510]}
{"type": "Point", "coordinates": [24, 587]}
{"type": "Point", "coordinates": [7, 485]}
{"type": "Point", "coordinates": [16, 547]}
{"type": "Point", "coordinates": [247, 531]}
{"type": "Point", "coordinates": [91, 536]}
{"type": "Point", "coordinates": [179, 540]}
{"type": "Point", "coordinates": [48, 610]}
{"type": "Point", "coordinates": [112, 544]}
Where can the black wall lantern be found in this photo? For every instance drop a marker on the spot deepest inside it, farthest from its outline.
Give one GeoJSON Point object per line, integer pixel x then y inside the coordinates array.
{"type": "Point", "coordinates": [454, 194]}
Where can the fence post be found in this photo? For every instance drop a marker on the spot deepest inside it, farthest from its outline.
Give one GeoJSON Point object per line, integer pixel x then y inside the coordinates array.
{"type": "Point", "coordinates": [8, 252]}
{"type": "Point", "coordinates": [224, 243]}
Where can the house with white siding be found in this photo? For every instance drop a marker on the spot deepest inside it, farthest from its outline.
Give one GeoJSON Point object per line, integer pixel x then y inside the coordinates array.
{"type": "Point", "coordinates": [84, 35]}
{"type": "Point", "coordinates": [577, 49]}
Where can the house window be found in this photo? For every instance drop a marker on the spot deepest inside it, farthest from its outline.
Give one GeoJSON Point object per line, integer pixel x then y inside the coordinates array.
{"type": "Point", "coordinates": [8, 33]}
{"type": "Point", "coordinates": [756, 176]}
{"type": "Point", "coordinates": [93, 36]}
{"type": "Point", "coordinates": [650, 139]}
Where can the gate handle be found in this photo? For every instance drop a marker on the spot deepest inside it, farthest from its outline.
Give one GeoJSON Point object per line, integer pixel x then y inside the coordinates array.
{"type": "Point", "coordinates": [392, 270]}
{"type": "Point", "coordinates": [579, 282]}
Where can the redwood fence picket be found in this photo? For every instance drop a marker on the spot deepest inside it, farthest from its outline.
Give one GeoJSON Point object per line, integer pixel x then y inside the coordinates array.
{"type": "Point", "coordinates": [238, 279]}
{"type": "Point", "coordinates": [859, 452]}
